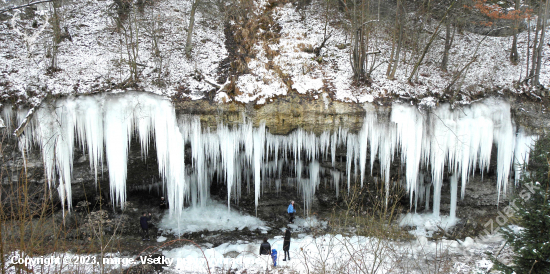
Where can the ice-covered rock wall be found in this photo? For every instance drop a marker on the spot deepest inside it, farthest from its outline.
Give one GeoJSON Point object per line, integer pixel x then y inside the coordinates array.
{"type": "Point", "coordinates": [459, 141]}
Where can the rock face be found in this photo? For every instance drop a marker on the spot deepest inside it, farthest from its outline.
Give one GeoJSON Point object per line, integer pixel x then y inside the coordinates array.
{"type": "Point", "coordinates": [533, 116]}
{"type": "Point", "coordinates": [286, 114]}
{"type": "Point", "coordinates": [283, 115]}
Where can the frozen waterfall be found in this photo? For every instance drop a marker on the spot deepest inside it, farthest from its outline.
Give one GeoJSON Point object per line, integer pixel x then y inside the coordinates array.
{"type": "Point", "coordinates": [436, 140]}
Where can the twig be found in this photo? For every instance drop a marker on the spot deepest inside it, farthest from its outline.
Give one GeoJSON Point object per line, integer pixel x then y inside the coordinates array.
{"type": "Point", "coordinates": [501, 248]}
{"type": "Point", "coordinates": [371, 21]}
{"type": "Point", "coordinates": [533, 266]}
{"type": "Point", "coordinates": [212, 83]}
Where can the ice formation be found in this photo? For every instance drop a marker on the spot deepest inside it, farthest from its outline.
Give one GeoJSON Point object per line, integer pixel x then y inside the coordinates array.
{"type": "Point", "coordinates": [241, 156]}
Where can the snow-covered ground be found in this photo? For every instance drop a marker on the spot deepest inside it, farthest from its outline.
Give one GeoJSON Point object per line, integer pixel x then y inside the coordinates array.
{"type": "Point", "coordinates": [94, 59]}
{"type": "Point", "coordinates": [339, 254]}
{"type": "Point", "coordinates": [310, 252]}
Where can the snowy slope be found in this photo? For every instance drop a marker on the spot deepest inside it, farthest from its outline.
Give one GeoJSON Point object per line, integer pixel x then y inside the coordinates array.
{"type": "Point", "coordinates": [94, 61]}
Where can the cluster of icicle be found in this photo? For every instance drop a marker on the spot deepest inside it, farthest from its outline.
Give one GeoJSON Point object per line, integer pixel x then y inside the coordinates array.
{"type": "Point", "coordinates": [247, 156]}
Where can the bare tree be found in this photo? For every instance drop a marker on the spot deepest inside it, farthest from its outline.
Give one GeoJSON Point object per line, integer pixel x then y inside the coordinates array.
{"type": "Point", "coordinates": [360, 21]}
{"type": "Point", "coordinates": [514, 57]}
{"type": "Point", "coordinates": [189, 42]}
{"type": "Point", "coordinates": [544, 15]}
{"type": "Point", "coordinates": [449, 37]}
{"type": "Point", "coordinates": [428, 45]}
{"type": "Point", "coordinates": [56, 38]}
{"type": "Point", "coordinates": [398, 35]}
{"type": "Point", "coordinates": [128, 23]}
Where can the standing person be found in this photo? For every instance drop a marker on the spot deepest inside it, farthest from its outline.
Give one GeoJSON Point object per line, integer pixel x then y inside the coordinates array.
{"type": "Point", "coordinates": [162, 204]}
{"type": "Point", "coordinates": [286, 244]}
{"type": "Point", "coordinates": [265, 248]}
{"type": "Point", "coordinates": [291, 212]}
{"type": "Point", "coordinates": [143, 221]}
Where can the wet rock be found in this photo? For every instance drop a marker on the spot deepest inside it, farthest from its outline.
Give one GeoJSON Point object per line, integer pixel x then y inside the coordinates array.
{"type": "Point", "coordinates": [231, 254]}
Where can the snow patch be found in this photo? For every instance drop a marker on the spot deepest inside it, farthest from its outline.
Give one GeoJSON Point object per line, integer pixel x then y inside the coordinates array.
{"type": "Point", "coordinates": [212, 217]}
{"type": "Point", "coordinates": [426, 224]}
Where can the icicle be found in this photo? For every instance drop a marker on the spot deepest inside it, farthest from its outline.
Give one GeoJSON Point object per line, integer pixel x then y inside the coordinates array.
{"type": "Point", "coordinates": [310, 185]}
{"type": "Point", "coordinates": [336, 179]}
{"type": "Point", "coordinates": [7, 115]}
{"type": "Point", "coordinates": [118, 129]}
{"type": "Point", "coordinates": [375, 135]}
{"type": "Point", "coordinates": [504, 137]}
{"type": "Point", "coordinates": [228, 147]}
{"type": "Point", "coordinates": [259, 136]}
{"type": "Point", "coordinates": [362, 139]}
{"type": "Point", "coordinates": [428, 191]}
{"type": "Point", "coordinates": [437, 198]}
{"type": "Point", "coordinates": [454, 186]}
{"type": "Point", "coordinates": [524, 144]}
{"type": "Point", "coordinates": [410, 128]}
{"type": "Point", "coordinates": [170, 150]}
{"type": "Point", "coordinates": [351, 142]}
{"type": "Point", "coordinates": [90, 131]}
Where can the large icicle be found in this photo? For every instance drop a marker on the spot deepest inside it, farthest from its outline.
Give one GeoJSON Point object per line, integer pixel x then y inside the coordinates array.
{"type": "Point", "coordinates": [259, 140]}
{"type": "Point", "coordinates": [118, 129]}
{"type": "Point", "coordinates": [410, 128]}
{"type": "Point", "coordinates": [90, 131]}
{"type": "Point", "coordinates": [454, 186]}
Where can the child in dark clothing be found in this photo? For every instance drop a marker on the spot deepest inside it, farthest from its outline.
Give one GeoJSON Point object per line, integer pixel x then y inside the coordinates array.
{"type": "Point", "coordinates": [143, 221]}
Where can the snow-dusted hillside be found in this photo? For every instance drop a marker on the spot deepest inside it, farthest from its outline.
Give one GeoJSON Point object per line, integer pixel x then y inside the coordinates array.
{"type": "Point", "coordinates": [93, 57]}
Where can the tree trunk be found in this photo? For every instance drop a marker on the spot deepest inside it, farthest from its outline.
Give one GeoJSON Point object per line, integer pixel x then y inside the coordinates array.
{"type": "Point", "coordinates": [394, 40]}
{"type": "Point", "coordinates": [528, 45]}
{"type": "Point", "coordinates": [535, 42]}
{"type": "Point", "coordinates": [189, 43]}
{"type": "Point", "coordinates": [514, 57]}
{"type": "Point", "coordinates": [56, 39]}
{"type": "Point", "coordinates": [541, 44]}
{"type": "Point", "coordinates": [448, 43]}
{"type": "Point", "coordinates": [399, 44]}
{"type": "Point", "coordinates": [398, 51]}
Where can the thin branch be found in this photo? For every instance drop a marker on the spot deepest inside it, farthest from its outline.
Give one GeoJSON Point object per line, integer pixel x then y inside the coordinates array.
{"type": "Point", "coordinates": [371, 21]}
{"type": "Point", "coordinates": [24, 124]}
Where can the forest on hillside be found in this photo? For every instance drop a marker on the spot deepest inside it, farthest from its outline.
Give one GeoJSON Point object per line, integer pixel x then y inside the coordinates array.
{"type": "Point", "coordinates": [257, 50]}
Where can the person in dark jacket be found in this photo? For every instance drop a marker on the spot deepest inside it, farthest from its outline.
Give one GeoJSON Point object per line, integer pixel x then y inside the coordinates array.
{"type": "Point", "coordinates": [162, 204]}
{"type": "Point", "coordinates": [291, 212]}
{"type": "Point", "coordinates": [143, 221]}
{"type": "Point", "coordinates": [286, 244]}
{"type": "Point", "coordinates": [265, 248]}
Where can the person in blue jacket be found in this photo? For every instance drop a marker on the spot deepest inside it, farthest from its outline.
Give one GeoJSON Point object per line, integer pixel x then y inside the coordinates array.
{"type": "Point", "coordinates": [291, 212]}
{"type": "Point", "coordinates": [274, 256]}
